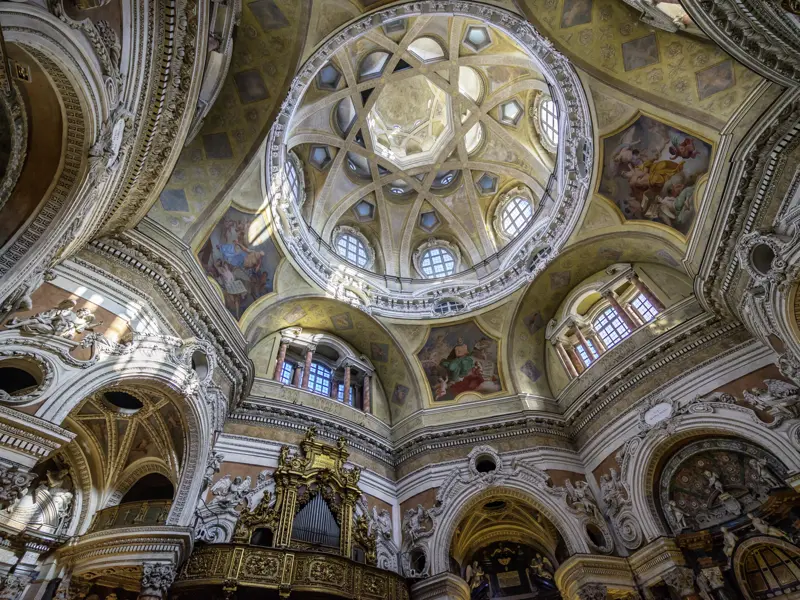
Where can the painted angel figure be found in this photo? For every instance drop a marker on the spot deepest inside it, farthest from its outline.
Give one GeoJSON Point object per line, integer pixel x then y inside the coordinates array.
{"type": "Point", "coordinates": [626, 155]}
{"type": "Point", "coordinates": [780, 398]}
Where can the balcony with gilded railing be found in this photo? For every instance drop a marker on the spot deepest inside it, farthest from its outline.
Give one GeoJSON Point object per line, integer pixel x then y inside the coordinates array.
{"type": "Point", "coordinates": [144, 513]}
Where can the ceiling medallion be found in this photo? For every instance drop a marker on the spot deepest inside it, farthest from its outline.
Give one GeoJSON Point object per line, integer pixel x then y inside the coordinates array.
{"type": "Point", "coordinates": [414, 132]}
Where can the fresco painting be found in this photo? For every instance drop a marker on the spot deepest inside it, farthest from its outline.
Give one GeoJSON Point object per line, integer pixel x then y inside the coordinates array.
{"type": "Point", "coordinates": [241, 257]}
{"type": "Point", "coordinates": [460, 358]}
{"type": "Point", "coordinates": [650, 170]}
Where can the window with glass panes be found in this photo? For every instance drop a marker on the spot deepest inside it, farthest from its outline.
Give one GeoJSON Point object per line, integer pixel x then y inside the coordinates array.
{"type": "Point", "coordinates": [287, 372]}
{"type": "Point", "coordinates": [516, 214]}
{"type": "Point", "coordinates": [645, 308]}
{"type": "Point", "coordinates": [352, 248]}
{"type": "Point", "coordinates": [610, 327]}
{"type": "Point", "coordinates": [292, 180]}
{"type": "Point", "coordinates": [588, 355]}
{"type": "Point", "coordinates": [340, 393]}
{"type": "Point", "coordinates": [319, 379]}
{"type": "Point", "coordinates": [548, 117]}
{"type": "Point", "coordinates": [437, 262]}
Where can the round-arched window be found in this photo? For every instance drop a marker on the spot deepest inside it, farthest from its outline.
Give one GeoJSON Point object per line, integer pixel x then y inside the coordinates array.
{"type": "Point", "coordinates": [437, 262]}
{"type": "Point", "coordinates": [516, 215]}
{"type": "Point", "coordinates": [352, 249]}
{"type": "Point", "coordinates": [548, 121]}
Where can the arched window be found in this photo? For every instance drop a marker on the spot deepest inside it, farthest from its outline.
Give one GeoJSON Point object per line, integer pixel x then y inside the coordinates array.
{"type": "Point", "coordinates": [644, 308]}
{"type": "Point", "coordinates": [548, 121]}
{"type": "Point", "coordinates": [611, 328]}
{"type": "Point", "coordinates": [319, 379]}
{"type": "Point", "coordinates": [426, 49]}
{"type": "Point", "coordinates": [437, 262]}
{"type": "Point", "coordinates": [516, 214]}
{"type": "Point", "coordinates": [349, 247]}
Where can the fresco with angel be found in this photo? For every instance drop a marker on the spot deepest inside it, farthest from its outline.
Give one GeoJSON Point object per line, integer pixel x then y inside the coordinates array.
{"type": "Point", "coordinates": [460, 358]}
{"type": "Point", "coordinates": [650, 171]}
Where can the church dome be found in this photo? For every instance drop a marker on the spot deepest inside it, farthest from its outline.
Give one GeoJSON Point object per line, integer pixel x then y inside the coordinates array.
{"type": "Point", "coordinates": [428, 163]}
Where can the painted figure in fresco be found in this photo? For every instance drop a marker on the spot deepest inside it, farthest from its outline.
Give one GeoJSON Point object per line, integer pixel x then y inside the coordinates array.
{"type": "Point", "coordinates": [240, 265]}
{"type": "Point", "coordinates": [458, 359]}
{"type": "Point", "coordinates": [459, 362]}
{"type": "Point", "coordinates": [651, 170]}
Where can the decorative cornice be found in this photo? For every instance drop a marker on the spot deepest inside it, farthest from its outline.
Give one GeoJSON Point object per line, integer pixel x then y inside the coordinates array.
{"type": "Point", "coordinates": [751, 185]}
{"type": "Point", "coordinates": [757, 33]}
{"type": "Point", "coordinates": [180, 294]}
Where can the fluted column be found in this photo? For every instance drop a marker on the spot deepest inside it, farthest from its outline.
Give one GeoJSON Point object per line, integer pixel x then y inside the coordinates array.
{"type": "Point", "coordinates": [307, 368]}
{"type": "Point", "coordinates": [645, 291]}
{"type": "Point", "coordinates": [276, 376]}
{"type": "Point", "coordinates": [346, 395]}
{"type": "Point", "coordinates": [626, 318]}
{"type": "Point", "coordinates": [367, 394]}
{"type": "Point", "coordinates": [565, 360]}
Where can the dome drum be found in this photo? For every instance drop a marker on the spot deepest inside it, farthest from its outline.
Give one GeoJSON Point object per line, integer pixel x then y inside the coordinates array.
{"type": "Point", "coordinates": [410, 117]}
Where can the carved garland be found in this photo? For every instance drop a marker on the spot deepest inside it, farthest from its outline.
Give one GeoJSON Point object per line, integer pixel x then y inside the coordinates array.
{"type": "Point", "coordinates": [47, 369]}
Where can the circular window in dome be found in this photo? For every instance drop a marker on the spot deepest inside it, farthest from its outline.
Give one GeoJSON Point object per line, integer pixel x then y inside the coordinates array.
{"type": "Point", "coordinates": [351, 245]}
{"type": "Point", "coordinates": [516, 215]}
{"type": "Point", "coordinates": [437, 260]}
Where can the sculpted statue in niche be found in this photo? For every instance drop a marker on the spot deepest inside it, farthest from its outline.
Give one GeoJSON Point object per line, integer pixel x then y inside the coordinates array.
{"type": "Point", "coordinates": [729, 541]}
{"type": "Point", "coordinates": [62, 321]}
{"type": "Point", "coordinates": [764, 528]}
{"type": "Point", "coordinates": [382, 522]}
{"type": "Point", "coordinates": [710, 482]}
{"type": "Point", "coordinates": [229, 494]}
{"type": "Point", "coordinates": [613, 491]}
{"type": "Point", "coordinates": [581, 498]}
{"type": "Point", "coordinates": [779, 399]}
{"type": "Point", "coordinates": [417, 523]}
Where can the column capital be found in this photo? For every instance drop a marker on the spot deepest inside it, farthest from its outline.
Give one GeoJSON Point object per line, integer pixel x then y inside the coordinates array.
{"type": "Point", "coordinates": [156, 580]}
{"type": "Point", "coordinates": [593, 591]}
{"type": "Point", "coordinates": [444, 586]}
{"type": "Point", "coordinates": [311, 347]}
{"type": "Point", "coordinates": [680, 579]}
